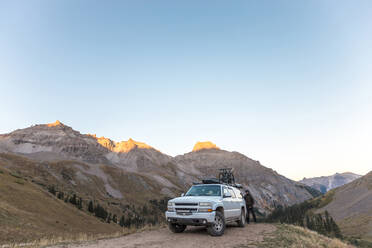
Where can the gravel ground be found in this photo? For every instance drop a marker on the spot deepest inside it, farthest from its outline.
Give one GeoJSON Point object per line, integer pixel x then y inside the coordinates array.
{"type": "Point", "coordinates": [191, 237]}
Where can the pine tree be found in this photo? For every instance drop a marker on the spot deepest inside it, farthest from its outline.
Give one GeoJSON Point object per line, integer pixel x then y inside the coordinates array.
{"type": "Point", "coordinates": [52, 190]}
{"type": "Point", "coordinates": [128, 222]}
{"type": "Point", "coordinates": [73, 200]}
{"type": "Point", "coordinates": [307, 224]}
{"type": "Point", "coordinates": [61, 195]}
{"type": "Point", "coordinates": [100, 212]}
{"type": "Point", "coordinates": [297, 215]}
{"type": "Point", "coordinates": [335, 228]}
{"type": "Point", "coordinates": [144, 210]}
{"type": "Point", "coordinates": [320, 224]}
{"type": "Point", "coordinates": [122, 221]}
{"type": "Point", "coordinates": [109, 218]}
{"type": "Point", "coordinates": [328, 226]}
{"type": "Point", "coordinates": [80, 203]}
{"type": "Point", "coordinates": [91, 207]}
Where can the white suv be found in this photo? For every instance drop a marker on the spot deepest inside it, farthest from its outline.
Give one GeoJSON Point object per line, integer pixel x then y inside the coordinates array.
{"type": "Point", "coordinates": [211, 205]}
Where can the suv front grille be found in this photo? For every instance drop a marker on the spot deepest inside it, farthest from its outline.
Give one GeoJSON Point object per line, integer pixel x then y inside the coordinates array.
{"type": "Point", "coordinates": [186, 211]}
{"type": "Point", "coordinates": [186, 204]}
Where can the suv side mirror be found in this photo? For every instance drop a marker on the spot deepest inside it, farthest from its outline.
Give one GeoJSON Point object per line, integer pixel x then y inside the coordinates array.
{"type": "Point", "coordinates": [183, 194]}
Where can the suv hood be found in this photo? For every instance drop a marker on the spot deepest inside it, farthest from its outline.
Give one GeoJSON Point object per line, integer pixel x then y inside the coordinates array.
{"type": "Point", "coordinates": [198, 199]}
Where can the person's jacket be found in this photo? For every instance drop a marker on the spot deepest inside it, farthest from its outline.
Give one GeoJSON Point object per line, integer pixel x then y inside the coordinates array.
{"type": "Point", "coordinates": [249, 201]}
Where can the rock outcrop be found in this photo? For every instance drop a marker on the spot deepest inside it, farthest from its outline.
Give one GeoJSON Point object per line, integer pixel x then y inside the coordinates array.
{"type": "Point", "coordinates": [123, 146]}
{"type": "Point", "coordinates": [204, 145]}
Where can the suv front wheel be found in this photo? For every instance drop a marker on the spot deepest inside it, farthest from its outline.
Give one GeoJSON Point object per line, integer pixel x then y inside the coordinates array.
{"type": "Point", "coordinates": [176, 228]}
{"type": "Point", "coordinates": [241, 221]}
{"type": "Point", "coordinates": [218, 226]}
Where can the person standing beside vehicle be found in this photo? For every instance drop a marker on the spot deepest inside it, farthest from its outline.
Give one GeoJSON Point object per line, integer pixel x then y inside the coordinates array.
{"type": "Point", "coordinates": [249, 202]}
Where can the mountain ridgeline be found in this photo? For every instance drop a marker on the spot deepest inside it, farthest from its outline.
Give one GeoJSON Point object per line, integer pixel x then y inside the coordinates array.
{"type": "Point", "coordinates": [126, 183]}
{"type": "Point", "coordinates": [326, 183]}
{"type": "Point", "coordinates": [132, 172]}
{"type": "Point", "coordinates": [111, 184]}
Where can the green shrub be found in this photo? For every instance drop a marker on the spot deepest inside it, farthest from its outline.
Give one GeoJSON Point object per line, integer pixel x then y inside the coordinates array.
{"type": "Point", "coordinates": [326, 199]}
{"type": "Point", "coordinates": [16, 175]}
{"type": "Point", "coordinates": [21, 182]}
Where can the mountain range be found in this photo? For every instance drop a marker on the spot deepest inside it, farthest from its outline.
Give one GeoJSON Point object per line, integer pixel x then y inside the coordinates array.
{"type": "Point", "coordinates": [326, 183]}
{"type": "Point", "coordinates": [132, 172]}
{"type": "Point", "coordinates": [125, 176]}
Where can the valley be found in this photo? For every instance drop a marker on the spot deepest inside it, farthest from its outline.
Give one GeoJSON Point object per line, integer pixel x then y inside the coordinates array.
{"type": "Point", "coordinates": [102, 186]}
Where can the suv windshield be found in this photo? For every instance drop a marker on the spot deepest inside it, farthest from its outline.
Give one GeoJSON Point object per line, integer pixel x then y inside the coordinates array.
{"type": "Point", "coordinates": [204, 190]}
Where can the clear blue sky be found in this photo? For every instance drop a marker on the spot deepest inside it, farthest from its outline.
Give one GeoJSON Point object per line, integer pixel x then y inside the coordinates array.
{"type": "Point", "coordinates": [288, 83]}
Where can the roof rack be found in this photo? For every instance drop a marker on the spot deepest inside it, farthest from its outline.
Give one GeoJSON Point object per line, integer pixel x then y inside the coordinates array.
{"type": "Point", "coordinates": [211, 181]}
{"type": "Point", "coordinates": [225, 177]}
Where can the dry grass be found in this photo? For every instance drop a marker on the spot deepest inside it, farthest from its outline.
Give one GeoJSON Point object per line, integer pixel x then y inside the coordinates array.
{"type": "Point", "coordinates": [27, 213]}
{"type": "Point", "coordinates": [137, 189]}
{"type": "Point", "coordinates": [358, 226]}
{"type": "Point", "coordinates": [290, 236]}
{"type": "Point", "coordinates": [77, 238]}
{"type": "Point", "coordinates": [350, 207]}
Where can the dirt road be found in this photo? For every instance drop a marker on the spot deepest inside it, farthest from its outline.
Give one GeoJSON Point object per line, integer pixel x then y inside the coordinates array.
{"type": "Point", "coordinates": [192, 237]}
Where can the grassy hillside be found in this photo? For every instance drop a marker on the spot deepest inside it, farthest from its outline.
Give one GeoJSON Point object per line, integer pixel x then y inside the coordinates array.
{"type": "Point", "coordinates": [290, 236]}
{"type": "Point", "coordinates": [347, 208]}
{"type": "Point", "coordinates": [74, 177]}
{"type": "Point", "coordinates": [27, 212]}
{"type": "Point", "coordinates": [351, 207]}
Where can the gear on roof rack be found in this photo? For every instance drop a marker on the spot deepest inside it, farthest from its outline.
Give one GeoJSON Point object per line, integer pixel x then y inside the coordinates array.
{"type": "Point", "coordinates": [226, 176]}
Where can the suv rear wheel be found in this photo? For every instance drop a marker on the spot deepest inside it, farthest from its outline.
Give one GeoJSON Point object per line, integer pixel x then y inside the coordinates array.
{"type": "Point", "coordinates": [241, 221]}
{"type": "Point", "coordinates": [218, 226]}
{"type": "Point", "coordinates": [176, 228]}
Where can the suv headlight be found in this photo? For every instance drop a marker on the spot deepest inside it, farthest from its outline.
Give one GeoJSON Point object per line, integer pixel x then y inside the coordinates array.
{"type": "Point", "coordinates": [205, 204]}
{"type": "Point", "coordinates": [170, 207]}
{"type": "Point", "coordinates": [205, 207]}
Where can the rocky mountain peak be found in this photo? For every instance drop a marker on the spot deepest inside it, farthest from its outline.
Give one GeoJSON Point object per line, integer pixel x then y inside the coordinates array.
{"type": "Point", "coordinates": [126, 146]}
{"type": "Point", "coordinates": [204, 145]}
{"type": "Point", "coordinates": [103, 141]}
{"type": "Point", "coordinates": [120, 147]}
{"type": "Point", "coordinates": [55, 124]}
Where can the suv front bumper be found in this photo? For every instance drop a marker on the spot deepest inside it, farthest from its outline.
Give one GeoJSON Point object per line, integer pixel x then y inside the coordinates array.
{"type": "Point", "coordinates": [195, 219]}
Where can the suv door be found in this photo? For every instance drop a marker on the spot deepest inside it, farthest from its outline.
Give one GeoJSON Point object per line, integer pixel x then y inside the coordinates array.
{"type": "Point", "coordinates": [235, 203]}
{"type": "Point", "coordinates": [227, 202]}
{"type": "Point", "coordinates": [240, 199]}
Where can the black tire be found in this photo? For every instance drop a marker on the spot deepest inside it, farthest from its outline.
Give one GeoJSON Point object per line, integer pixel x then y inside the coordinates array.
{"type": "Point", "coordinates": [241, 221]}
{"type": "Point", "coordinates": [176, 228]}
{"type": "Point", "coordinates": [218, 226]}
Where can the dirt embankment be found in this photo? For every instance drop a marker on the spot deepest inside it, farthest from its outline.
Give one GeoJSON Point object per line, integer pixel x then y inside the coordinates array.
{"type": "Point", "coordinates": [192, 237]}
